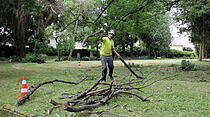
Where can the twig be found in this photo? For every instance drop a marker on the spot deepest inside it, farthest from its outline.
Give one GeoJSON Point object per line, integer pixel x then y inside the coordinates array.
{"type": "Point", "coordinates": [101, 112]}
{"type": "Point", "coordinates": [49, 111]}
{"type": "Point", "coordinates": [97, 91]}
{"type": "Point", "coordinates": [157, 81]}
{"type": "Point", "coordinates": [87, 91]}
{"type": "Point", "coordinates": [54, 102]}
{"type": "Point", "coordinates": [130, 93]}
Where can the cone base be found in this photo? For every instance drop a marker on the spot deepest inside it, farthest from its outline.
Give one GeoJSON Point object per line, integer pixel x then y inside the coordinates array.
{"type": "Point", "coordinates": [22, 95]}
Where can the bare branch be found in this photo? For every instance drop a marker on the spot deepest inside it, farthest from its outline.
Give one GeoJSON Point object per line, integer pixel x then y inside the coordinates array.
{"type": "Point", "coordinates": [130, 93]}
{"type": "Point", "coordinates": [67, 25]}
{"type": "Point", "coordinates": [87, 91]}
{"type": "Point", "coordinates": [168, 77]}
{"type": "Point", "coordinates": [133, 12]}
{"type": "Point", "coordinates": [49, 111]}
{"type": "Point", "coordinates": [101, 112]}
{"type": "Point", "coordinates": [103, 11]}
{"type": "Point", "coordinates": [88, 36]}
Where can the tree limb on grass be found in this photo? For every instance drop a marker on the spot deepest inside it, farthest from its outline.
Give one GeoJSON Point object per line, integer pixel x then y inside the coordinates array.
{"type": "Point", "coordinates": [23, 99]}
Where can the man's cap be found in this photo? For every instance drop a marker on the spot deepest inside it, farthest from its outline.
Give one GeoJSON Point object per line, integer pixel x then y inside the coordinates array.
{"type": "Point", "coordinates": [111, 32]}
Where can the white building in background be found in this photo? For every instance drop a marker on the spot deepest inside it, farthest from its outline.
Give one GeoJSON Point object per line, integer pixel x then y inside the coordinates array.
{"type": "Point", "coordinates": [177, 44]}
{"type": "Point", "coordinates": [52, 43]}
{"type": "Point", "coordinates": [179, 41]}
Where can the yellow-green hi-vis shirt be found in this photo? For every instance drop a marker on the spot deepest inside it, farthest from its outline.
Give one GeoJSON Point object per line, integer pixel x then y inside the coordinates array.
{"type": "Point", "coordinates": [107, 46]}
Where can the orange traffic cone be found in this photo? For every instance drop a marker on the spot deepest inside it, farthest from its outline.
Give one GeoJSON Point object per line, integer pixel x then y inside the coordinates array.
{"type": "Point", "coordinates": [78, 62]}
{"type": "Point", "coordinates": [24, 89]}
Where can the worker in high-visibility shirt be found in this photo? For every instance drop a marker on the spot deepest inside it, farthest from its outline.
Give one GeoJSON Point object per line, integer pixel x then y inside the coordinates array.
{"type": "Point", "coordinates": [106, 53]}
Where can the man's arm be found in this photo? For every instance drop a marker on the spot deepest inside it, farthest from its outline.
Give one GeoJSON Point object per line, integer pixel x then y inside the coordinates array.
{"type": "Point", "coordinates": [100, 35]}
{"type": "Point", "coordinates": [116, 53]}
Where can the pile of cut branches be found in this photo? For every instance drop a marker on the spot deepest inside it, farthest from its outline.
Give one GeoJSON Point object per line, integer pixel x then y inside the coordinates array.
{"type": "Point", "coordinates": [93, 97]}
{"type": "Point", "coordinates": [100, 92]}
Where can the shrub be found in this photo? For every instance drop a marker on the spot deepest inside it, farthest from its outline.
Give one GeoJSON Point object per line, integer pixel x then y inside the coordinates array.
{"type": "Point", "coordinates": [137, 51]}
{"type": "Point", "coordinates": [177, 54]}
{"type": "Point", "coordinates": [40, 58]}
{"type": "Point", "coordinates": [51, 51]}
{"type": "Point", "coordinates": [187, 65]}
{"type": "Point", "coordinates": [3, 59]}
{"type": "Point", "coordinates": [15, 58]}
{"type": "Point", "coordinates": [135, 65]}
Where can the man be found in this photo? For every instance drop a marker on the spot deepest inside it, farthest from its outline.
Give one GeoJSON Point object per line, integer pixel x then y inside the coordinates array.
{"type": "Point", "coordinates": [106, 54]}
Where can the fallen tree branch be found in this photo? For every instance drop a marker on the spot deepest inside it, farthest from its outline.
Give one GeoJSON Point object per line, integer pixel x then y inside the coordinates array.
{"type": "Point", "coordinates": [49, 111]}
{"type": "Point", "coordinates": [97, 91]}
{"type": "Point", "coordinates": [54, 103]}
{"type": "Point", "coordinates": [113, 93]}
{"type": "Point", "coordinates": [23, 99]}
{"type": "Point", "coordinates": [87, 91]}
{"type": "Point", "coordinates": [100, 113]}
{"type": "Point", "coordinates": [157, 81]}
{"type": "Point", "coordinates": [130, 93]}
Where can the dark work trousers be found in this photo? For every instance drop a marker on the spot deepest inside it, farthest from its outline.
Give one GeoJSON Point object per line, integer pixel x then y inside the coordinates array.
{"type": "Point", "coordinates": [104, 61]}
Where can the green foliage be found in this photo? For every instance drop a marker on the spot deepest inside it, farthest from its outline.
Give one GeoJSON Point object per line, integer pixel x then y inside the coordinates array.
{"type": "Point", "coordinates": [135, 65]}
{"type": "Point", "coordinates": [64, 40]}
{"type": "Point", "coordinates": [34, 58]}
{"type": "Point", "coordinates": [172, 53]}
{"type": "Point", "coordinates": [195, 13]}
{"type": "Point", "coordinates": [203, 79]}
{"type": "Point", "coordinates": [137, 51]}
{"type": "Point", "coordinates": [187, 65]}
{"type": "Point", "coordinates": [15, 58]}
{"type": "Point", "coordinates": [51, 51]}
{"type": "Point", "coordinates": [3, 59]}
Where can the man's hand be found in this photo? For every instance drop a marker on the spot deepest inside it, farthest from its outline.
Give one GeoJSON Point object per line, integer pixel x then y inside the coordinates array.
{"type": "Point", "coordinates": [118, 56]}
{"type": "Point", "coordinates": [116, 53]}
{"type": "Point", "coordinates": [100, 34]}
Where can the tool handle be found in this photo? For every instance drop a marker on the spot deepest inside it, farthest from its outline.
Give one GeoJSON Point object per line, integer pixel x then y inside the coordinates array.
{"type": "Point", "coordinates": [130, 69]}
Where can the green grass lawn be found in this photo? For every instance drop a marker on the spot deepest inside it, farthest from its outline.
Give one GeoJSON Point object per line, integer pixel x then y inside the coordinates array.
{"type": "Point", "coordinates": [187, 94]}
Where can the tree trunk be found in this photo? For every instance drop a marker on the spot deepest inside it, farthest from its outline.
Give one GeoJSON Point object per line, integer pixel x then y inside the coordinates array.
{"type": "Point", "coordinates": [155, 55]}
{"type": "Point", "coordinates": [70, 54]}
{"type": "Point", "coordinates": [149, 50]}
{"type": "Point", "coordinates": [59, 53]}
{"type": "Point", "coordinates": [167, 52]}
{"type": "Point", "coordinates": [206, 51]}
{"type": "Point", "coordinates": [131, 49]}
{"type": "Point", "coordinates": [123, 50]}
{"type": "Point", "coordinates": [74, 36]}
{"type": "Point", "coordinates": [201, 51]}
{"type": "Point", "coordinates": [22, 38]}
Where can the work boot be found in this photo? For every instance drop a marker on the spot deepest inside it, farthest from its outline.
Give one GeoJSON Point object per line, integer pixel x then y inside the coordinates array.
{"type": "Point", "coordinates": [111, 77]}
{"type": "Point", "coordinates": [103, 79]}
